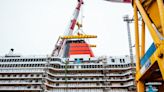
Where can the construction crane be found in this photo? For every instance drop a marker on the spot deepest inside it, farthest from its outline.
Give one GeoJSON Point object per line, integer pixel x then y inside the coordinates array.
{"type": "Point", "coordinates": [60, 42]}
{"type": "Point", "coordinates": [149, 64]}
{"type": "Point", "coordinates": [128, 21]}
{"type": "Point", "coordinates": [66, 45]}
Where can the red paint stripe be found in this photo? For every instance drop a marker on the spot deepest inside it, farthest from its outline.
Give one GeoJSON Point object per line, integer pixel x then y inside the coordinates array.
{"type": "Point", "coordinates": [78, 44]}
{"type": "Point", "coordinates": [79, 4]}
{"type": "Point", "coordinates": [79, 49]}
{"type": "Point", "coordinates": [73, 24]}
{"type": "Point", "coordinates": [71, 53]}
{"type": "Point", "coordinates": [127, 1]}
{"type": "Point", "coordinates": [76, 49]}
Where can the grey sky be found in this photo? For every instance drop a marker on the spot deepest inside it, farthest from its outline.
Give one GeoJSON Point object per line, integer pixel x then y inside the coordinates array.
{"type": "Point", "coordinates": [32, 27]}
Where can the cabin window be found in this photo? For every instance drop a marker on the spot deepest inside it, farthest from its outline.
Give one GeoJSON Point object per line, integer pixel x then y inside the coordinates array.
{"type": "Point", "coordinates": [57, 84]}
{"type": "Point", "coordinates": [123, 60]}
{"type": "Point", "coordinates": [37, 75]}
{"type": "Point", "coordinates": [14, 75]}
{"type": "Point", "coordinates": [28, 87]}
{"type": "Point", "coordinates": [35, 86]}
{"type": "Point", "coordinates": [32, 75]}
{"type": "Point", "coordinates": [113, 60]}
{"type": "Point", "coordinates": [121, 83]}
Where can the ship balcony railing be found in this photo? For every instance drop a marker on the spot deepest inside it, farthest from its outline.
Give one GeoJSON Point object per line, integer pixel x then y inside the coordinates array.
{"type": "Point", "coordinates": [72, 69]}
{"type": "Point", "coordinates": [94, 85]}
{"type": "Point", "coordinates": [20, 75]}
{"type": "Point", "coordinates": [23, 77]}
{"type": "Point", "coordinates": [117, 68]}
{"type": "Point", "coordinates": [119, 86]}
{"type": "Point", "coordinates": [132, 83]}
{"type": "Point", "coordinates": [20, 70]}
{"type": "Point", "coordinates": [77, 80]}
{"type": "Point", "coordinates": [89, 74]}
{"type": "Point", "coordinates": [64, 86]}
{"type": "Point", "coordinates": [121, 79]}
{"type": "Point", "coordinates": [18, 88]}
{"type": "Point", "coordinates": [93, 79]}
{"type": "Point", "coordinates": [79, 90]}
{"type": "Point", "coordinates": [118, 74]}
{"type": "Point", "coordinates": [19, 82]}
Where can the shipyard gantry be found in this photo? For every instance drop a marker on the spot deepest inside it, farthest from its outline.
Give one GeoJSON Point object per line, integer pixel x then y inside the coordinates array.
{"type": "Point", "coordinates": [149, 64]}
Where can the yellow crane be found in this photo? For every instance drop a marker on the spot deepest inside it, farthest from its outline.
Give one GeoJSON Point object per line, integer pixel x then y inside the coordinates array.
{"type": "Point", "coordinates": [150, 63]}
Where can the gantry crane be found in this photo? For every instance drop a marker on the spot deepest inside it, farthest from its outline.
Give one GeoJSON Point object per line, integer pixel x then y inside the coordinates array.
{"type": "Point", "coordinates": [149, 64]}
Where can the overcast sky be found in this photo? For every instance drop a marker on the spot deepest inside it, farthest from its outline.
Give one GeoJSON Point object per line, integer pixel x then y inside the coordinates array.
{"type": "Point", "coordinates": [32, 27]}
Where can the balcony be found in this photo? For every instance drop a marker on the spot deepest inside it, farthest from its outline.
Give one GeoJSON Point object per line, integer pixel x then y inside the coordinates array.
{"type": "Point", "coordinates": [74, 75]}
{"type": "Point", "coordinates": [77, 80]}
{"type": "Point", "coordinates": [89, 69]}
{"type": "Point", "coordinates": [75, 86]}
{"type": "Point", "coordinates": [76, 90]}
{"type": "Point", "coordinates": [118, 74]}
{"type": "Point", "coordinates": [118, 79]}
{"type": "Point", "coordinates": [28, 70]}
{"type": "Point", "coordinates": [20, 77]}
{"type": "Point", "coordinates": [11, 82]}
{"type": "Point", "coordinates": [23, 88]}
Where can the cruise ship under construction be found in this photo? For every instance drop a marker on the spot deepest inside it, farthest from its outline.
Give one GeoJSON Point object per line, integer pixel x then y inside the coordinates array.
{"type": "Point", "coordinates": [72, 67]}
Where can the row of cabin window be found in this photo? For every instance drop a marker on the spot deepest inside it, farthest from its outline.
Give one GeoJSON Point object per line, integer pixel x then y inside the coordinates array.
{"type": "Point", "coordinates": [28, 87]}
{"type": "Point", "coordinates": [25, 80]}
{"type": "Point", "coordinates": [22, 65]}
{"type": "Point", "coordinates": [120, 66]}
{"type": "Point", "coordinates": [20, 60]}
{"type": "Point", "coordinates": [77, 78]}
{"type": "Point", "coordinates": [58, 66]}
{"type": "Point", "coordinates": [20, 75]}
{"type": "Point", "coordinates": [97, 78]}
{"type": "Point", "coordinates": [125, 77]}
{"type": "Point", "coordinates": [73, 66]}
{"type": "Point", "coordinates": [98, 83]}
{"type": "Point", "coordinates": [71, 73]}
{"type": "Point", "coordinates": [35, 86]}
{"type": "Point", "coordinates": [121, 60]}
{"type": "Point", "coordinates": [27, 60]}
{"type": "Point", "coordinates": [93, 66]}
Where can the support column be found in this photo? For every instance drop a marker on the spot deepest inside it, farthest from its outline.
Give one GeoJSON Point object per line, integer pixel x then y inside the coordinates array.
{"type": "Point", "coordinates": [161, 13]}
{"type": "Point", "coordinates": [140, 84]}
{"type": "Point", "coordinates": [147, 22]}
{"type": "Point", "coordinates": [143, 39]}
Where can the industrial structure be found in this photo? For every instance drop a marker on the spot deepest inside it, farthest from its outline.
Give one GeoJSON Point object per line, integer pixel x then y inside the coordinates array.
{"type": "Point", "coordinates": [72, 66]}
{"type": "Point", "coordinates": [149, 64]}
{"type": "Point", "coordinates": [45, 74]}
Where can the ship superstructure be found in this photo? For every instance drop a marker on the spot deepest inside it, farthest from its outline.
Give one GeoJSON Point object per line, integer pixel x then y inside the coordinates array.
{"type": "Point", "coordinates": [54, 74]}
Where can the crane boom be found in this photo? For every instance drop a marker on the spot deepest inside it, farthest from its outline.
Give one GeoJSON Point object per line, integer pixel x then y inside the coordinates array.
{"type": "Point", "coordinates": [120, 1]}
{"type": "Point", "coordinates": [73, 22]}
{"type": "Point", "coordinates": [60, 43]}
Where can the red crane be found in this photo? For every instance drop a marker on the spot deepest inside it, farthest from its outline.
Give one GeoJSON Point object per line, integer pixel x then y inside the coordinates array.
{"type": "Point", "coordinates": [59, 46]}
